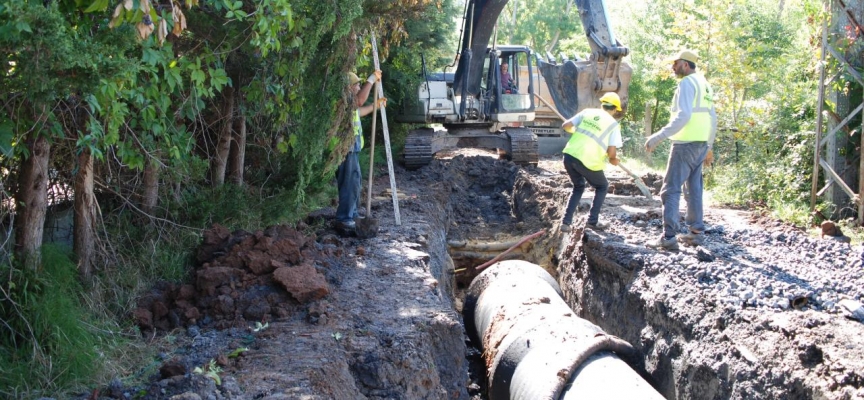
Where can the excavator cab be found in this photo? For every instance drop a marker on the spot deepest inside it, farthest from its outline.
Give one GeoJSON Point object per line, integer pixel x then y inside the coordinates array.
{"type": "Point", "coordinates": [510, 93]}
{"type": "Point", "coordinates": [486, 109]}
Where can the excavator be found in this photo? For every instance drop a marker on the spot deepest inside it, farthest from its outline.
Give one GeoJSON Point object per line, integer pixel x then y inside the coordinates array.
{"type": "Point", "coordinates": [475, 108]}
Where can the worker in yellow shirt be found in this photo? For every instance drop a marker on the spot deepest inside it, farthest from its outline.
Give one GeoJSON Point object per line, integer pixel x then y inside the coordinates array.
{"type": "Point", "coordinates": [595, 137]}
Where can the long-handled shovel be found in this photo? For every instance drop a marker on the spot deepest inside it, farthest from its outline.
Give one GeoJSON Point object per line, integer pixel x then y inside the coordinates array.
{"type": "Point", "coordinates": [368, 227]}
{"type": "Point", "coordinates": [638, 181]}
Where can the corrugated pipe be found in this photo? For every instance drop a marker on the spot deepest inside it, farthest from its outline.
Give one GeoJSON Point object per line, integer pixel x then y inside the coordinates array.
{"type": "Point", "coordinates": [535, 347]}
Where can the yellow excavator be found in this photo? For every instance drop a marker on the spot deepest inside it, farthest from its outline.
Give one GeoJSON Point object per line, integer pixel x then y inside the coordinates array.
{"type": "Point", "coordinates": [476, 109]}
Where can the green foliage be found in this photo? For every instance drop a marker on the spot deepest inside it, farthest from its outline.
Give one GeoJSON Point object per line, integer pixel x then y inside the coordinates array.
{"type": "Point", "coordinates": [210, 370]}
{"type": "Point", "coordinates": [760, 61]}
{"type": "Point", "coordinates": [435, 38]}
{"type": "Point", "coordinates": [765, 144]}
{"type": "Point", "coordinates": [44, 337]}
{"type": "Point", "coordinates": [757, 174]}
{"type": "Point", "coordinates": [226, 205]}
{"type": "Point", "coordinates": [546, 26]}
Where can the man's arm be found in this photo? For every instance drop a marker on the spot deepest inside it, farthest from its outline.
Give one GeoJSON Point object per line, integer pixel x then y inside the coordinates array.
{"type": "Point", "coordinates": [612, 153]}
{"type": "Point", "coordinates": [367, 109]}
{"type": "Point", "coordinates": [686, 94]}
{"type": "Point", "coordinates": [614, 143]}
{"type": "Point", "coordinates": [713, 134]}
{"type": "Point", "coordinates": [570, 125]}
{"type": "Point", "coordinates": [363, 95]}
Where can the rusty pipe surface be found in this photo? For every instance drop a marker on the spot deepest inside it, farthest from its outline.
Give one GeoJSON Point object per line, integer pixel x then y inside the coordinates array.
{"type": "Point", "coordinates": [535, 347]}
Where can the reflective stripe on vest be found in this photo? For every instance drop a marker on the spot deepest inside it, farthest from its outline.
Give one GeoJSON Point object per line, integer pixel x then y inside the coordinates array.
{"type": "Point", "coordinates": [590, 139]}
{"type": "Point", "coordinates": [698, 129]}
{"type": "Point", "coordinates": [358, 132]}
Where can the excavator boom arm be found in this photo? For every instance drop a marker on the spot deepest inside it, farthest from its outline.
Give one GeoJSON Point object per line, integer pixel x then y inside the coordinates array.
{"type": "Point", "coordinates": [601, 38]}
{"type": "Point", "coordinates": [606, 53]}
{"type": "Point", "coordinates": [480, 19]}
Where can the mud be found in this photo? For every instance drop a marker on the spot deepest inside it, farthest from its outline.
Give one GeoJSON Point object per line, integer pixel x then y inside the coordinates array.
{"type": "Point", "coordinates": [299, 312]}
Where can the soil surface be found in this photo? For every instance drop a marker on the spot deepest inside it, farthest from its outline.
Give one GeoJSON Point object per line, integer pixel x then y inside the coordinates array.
{"type": "Point", "coordinates": [759, 310]}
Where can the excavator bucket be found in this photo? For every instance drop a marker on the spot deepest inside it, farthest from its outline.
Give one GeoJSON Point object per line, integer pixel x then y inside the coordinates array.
{"type": "Point", "coordinates": [574, 85]}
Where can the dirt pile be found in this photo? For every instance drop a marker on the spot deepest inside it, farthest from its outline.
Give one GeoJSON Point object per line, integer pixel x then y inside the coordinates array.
{"type": "Point", "coordinates": [241, 277]}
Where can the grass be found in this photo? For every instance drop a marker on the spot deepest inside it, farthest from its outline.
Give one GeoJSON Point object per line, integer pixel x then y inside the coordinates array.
{"type": "Point", "coordinates": [48, 340]}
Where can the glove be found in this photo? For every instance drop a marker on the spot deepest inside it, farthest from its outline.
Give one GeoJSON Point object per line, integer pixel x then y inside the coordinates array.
{"type": "Point", "coordinates": [652, 142]}
{"type": "Point", "coordinates": [382, 102]}
{"type": "Point", "coordinates": [375, 77]}
{"type": "Point", "coordinates": [709, 158]}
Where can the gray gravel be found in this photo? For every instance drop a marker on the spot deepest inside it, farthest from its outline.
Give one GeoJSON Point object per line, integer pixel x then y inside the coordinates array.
{"type": "Point", "coordinates": [763, 269]}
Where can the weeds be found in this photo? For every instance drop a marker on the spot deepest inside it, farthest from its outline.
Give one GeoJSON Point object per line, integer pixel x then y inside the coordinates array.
{"type": "Point", "coordinates": [46, 337]}
{"type": "Point", "coordinates": [211, 371]}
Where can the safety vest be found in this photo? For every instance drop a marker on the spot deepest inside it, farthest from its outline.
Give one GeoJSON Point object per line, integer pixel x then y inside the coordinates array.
{"type": "Point", "coordinates": [590, 139]}
{"type": "Point", "coordinates": [358, 132]}
{"type": "Point", "coordinates": [698, 129]}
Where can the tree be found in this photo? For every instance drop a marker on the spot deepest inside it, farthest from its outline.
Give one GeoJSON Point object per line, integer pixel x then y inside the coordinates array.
{"type": "Point", "coordinates": [52, 60]}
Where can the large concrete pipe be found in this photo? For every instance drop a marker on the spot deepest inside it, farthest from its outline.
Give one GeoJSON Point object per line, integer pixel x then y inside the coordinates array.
{"type": "Point", "coordinates": [535, 347]}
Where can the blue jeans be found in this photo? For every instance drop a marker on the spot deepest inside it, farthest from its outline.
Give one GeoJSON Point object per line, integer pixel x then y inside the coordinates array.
{"type": "Point", "coordinates": [578, 175]}
{"type": "Point", "coordinates": [348, 180]}
{"type": "Point", "coordinates": [685, 165]}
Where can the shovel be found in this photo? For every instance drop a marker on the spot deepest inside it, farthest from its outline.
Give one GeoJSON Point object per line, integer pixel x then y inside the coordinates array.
{"type": "Point", "coordinates": [636, 179]}
{"type": "Point", "coordinates": [368, 227]}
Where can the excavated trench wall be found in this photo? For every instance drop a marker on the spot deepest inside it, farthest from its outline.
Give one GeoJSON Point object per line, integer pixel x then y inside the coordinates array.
{"type": "Point", "coordinates": [593, 278]}
{"type": "Point", "coordinates": [537, 202]}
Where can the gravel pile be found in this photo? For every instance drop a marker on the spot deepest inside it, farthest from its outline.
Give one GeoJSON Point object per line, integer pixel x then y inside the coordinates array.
{"type": "Point", "coordinates": [764, 269]}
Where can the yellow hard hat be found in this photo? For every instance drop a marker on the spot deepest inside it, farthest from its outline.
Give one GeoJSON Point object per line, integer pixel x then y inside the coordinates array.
{"type": "Point", "coordinates": [353, 78]}
{"type": "Point", "coordinates": [613, 99]}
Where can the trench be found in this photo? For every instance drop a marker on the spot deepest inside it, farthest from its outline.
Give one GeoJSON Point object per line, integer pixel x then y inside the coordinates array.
{"type": "Point", "coordinates": [520, 204]}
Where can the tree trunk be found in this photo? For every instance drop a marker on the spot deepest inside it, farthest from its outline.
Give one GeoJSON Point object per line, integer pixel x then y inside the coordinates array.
{"type": "Point", "coordinates": [554, 42]}
{"type": "Point", "coordinates": [223, 145]}
{"type": "Point", "coordinates": [238, 151]}
{"type": "Point", "coordinates": [32, 200]}
{"type": "Point", "coordinates": [85, 215]}
{"type": "Point", "coordinates": [150, 194]}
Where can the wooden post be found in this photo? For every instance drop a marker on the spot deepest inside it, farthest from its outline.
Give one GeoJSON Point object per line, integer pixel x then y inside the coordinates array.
{"type": "Point", "coordinates": [820, 106]}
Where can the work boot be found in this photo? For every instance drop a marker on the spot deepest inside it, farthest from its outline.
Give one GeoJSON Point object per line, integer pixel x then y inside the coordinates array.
{"type": "Point", "coordinates": [664, 243]}
{"type": "Point", "coordinates": [692, 238]}
{"type": "Point", "coordinates": [346, 228]}
{"type": "Point", "coordinates": [599, 226]}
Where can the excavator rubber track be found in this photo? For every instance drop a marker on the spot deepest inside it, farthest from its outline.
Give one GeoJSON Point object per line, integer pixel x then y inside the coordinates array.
{"type": "Point", "coordinates": [523, 146]}
{"type": "Point", "coordinates": [418, 148]}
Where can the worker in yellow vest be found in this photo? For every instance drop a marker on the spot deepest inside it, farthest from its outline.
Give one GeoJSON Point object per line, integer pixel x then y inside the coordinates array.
{"type": "Point", "coordinates": [595, 137]}
{"type": "Point", "coordinates": [692, 128]}
{"type": "Point", "coordinates": [348, 177]}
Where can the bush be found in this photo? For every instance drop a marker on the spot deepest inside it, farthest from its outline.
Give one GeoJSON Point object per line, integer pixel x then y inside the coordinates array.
{"type": "Point", "coordinates": [762, 180]}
